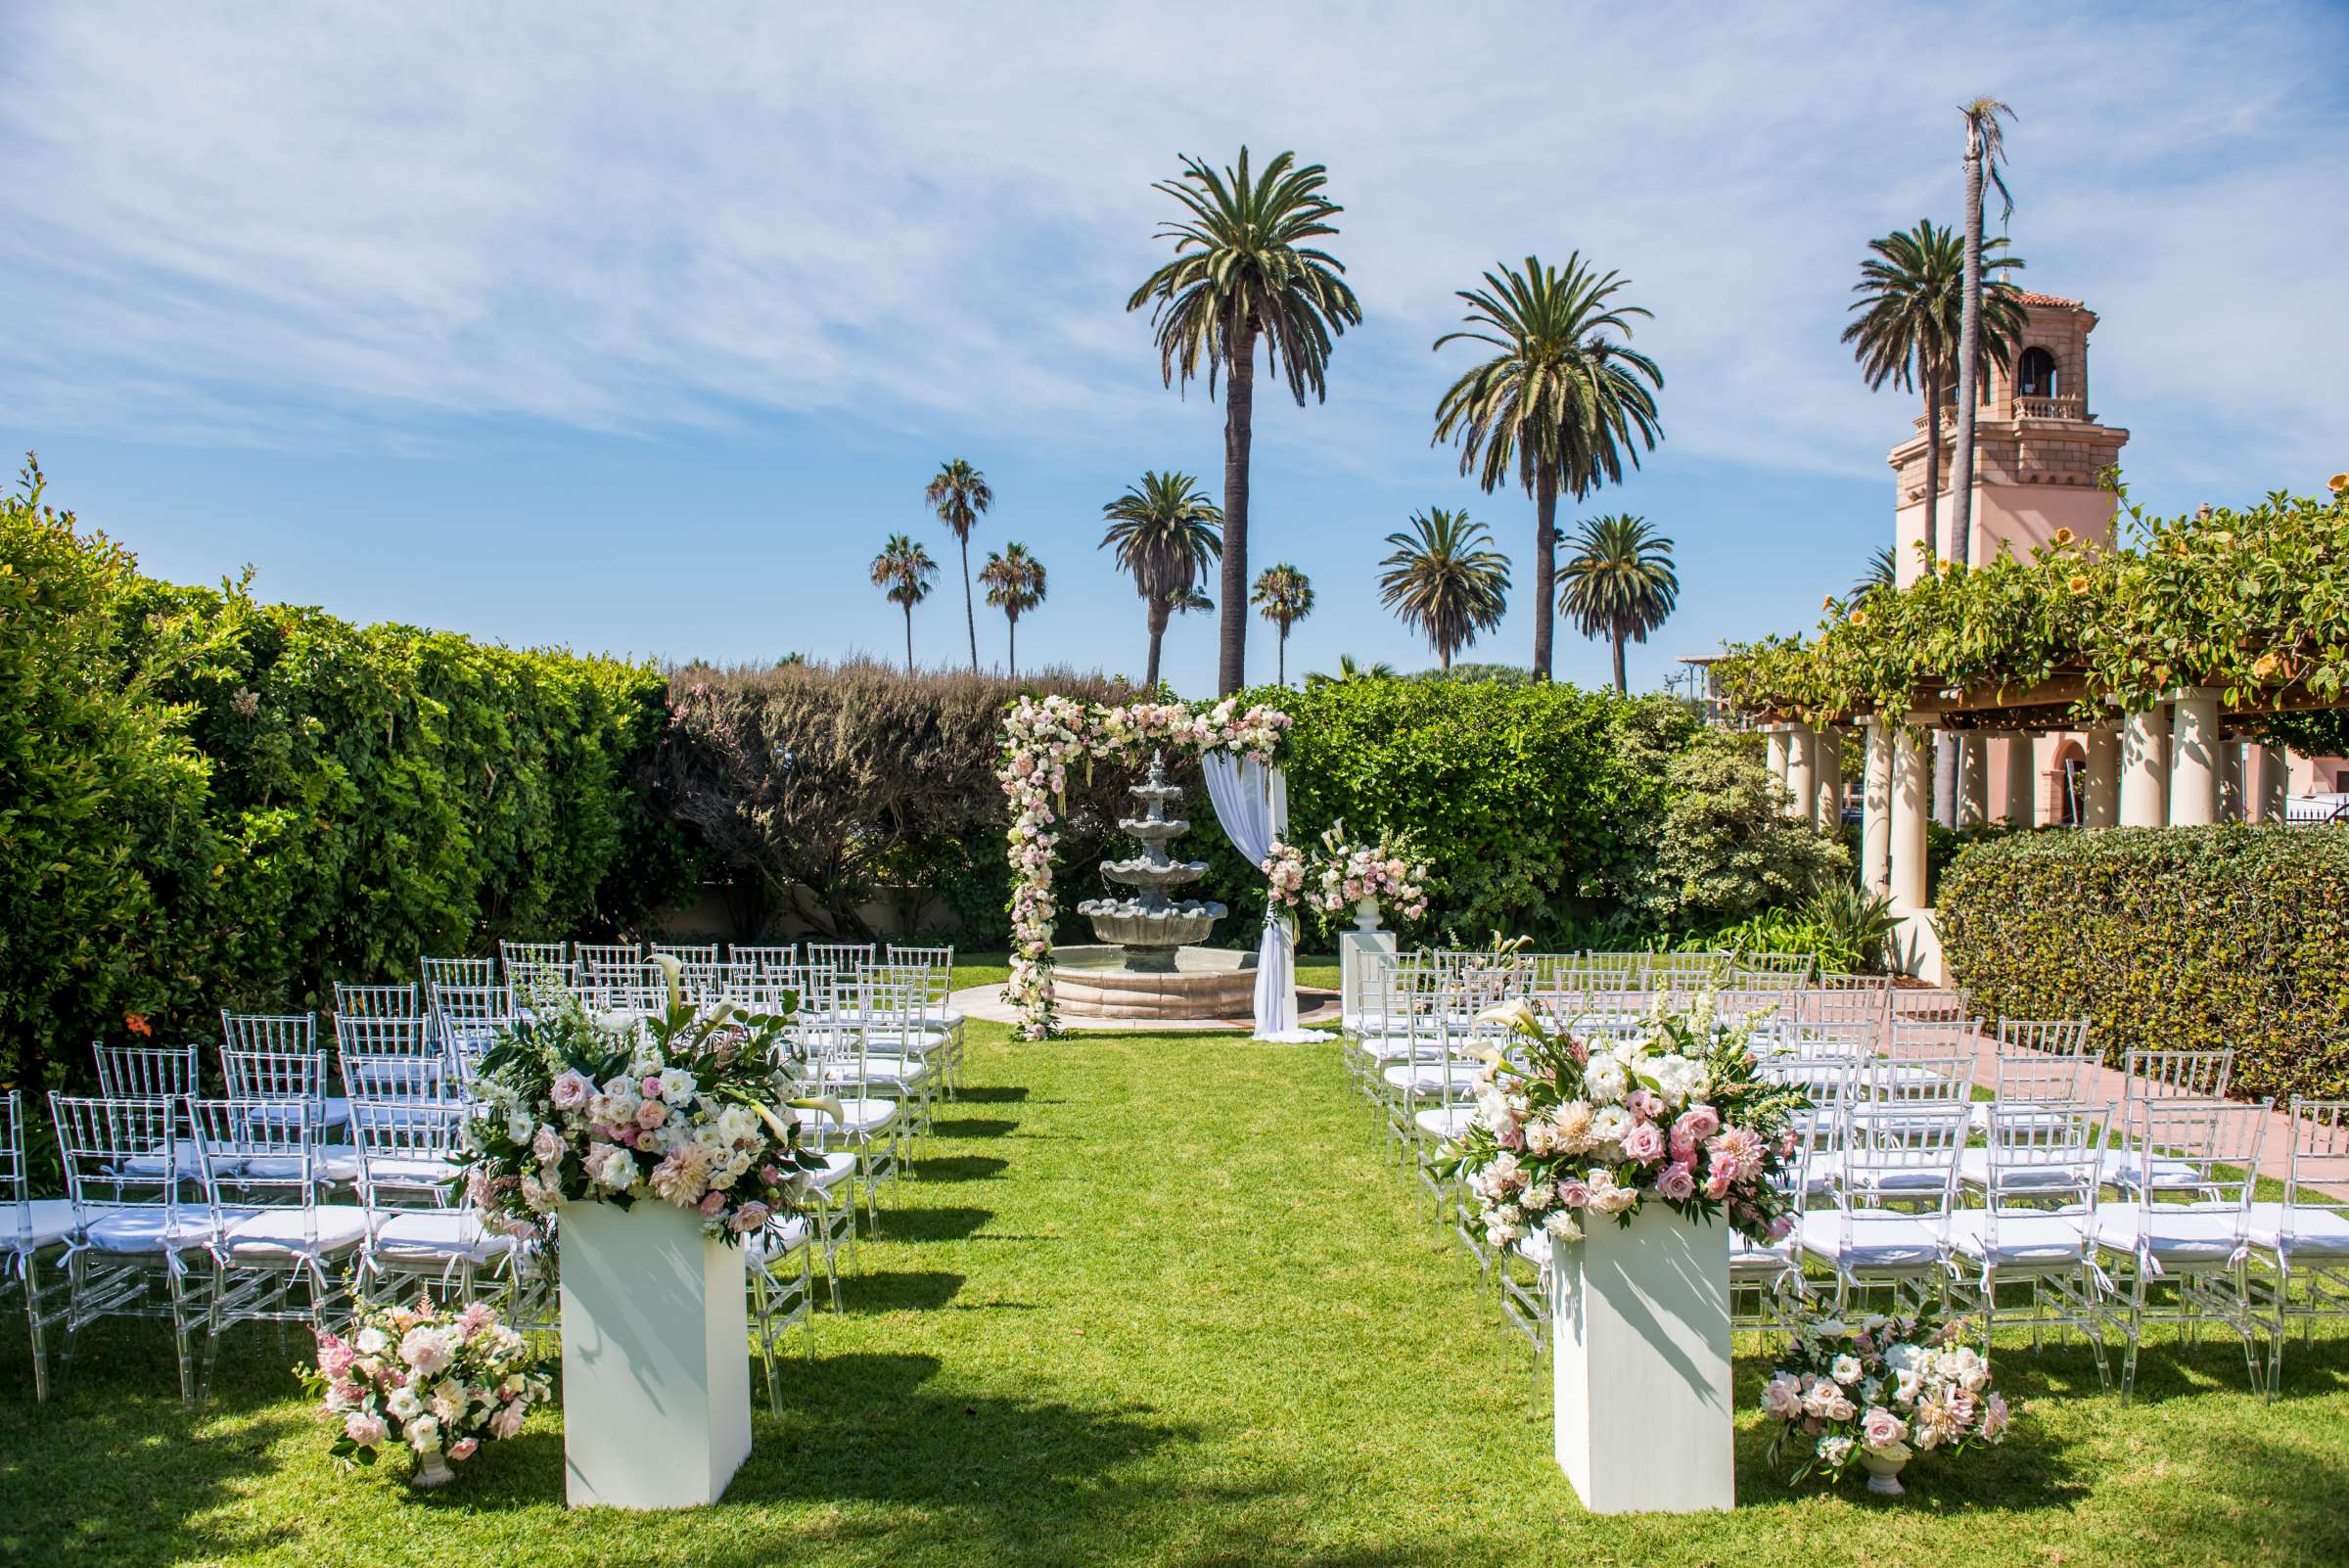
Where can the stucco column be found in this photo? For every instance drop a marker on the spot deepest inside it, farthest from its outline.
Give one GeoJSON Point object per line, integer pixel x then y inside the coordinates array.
{"type": "Point", "coordinates": [1875, 811]}
{"type": "Point", "coordinates": [1799, 775]}
{"type": "Point", "coordinates": [2274, 783]}
{"type": "Point", "coordinates": [2144, 769]}
{"type": "Point", "coordinates": [2020, 807]}
{"type": "Point", "coordinates": [2234, 772]}
{"type": "Point", "coordinates": [2100, 787]}
{"type": "Point", "coordinates": [1776, 737]}
{"type": "Point", "coordinates": [1826, 777]}
{"type": "Point", "coordinates": [1973, 780]}
{"type": "Point", "coordinates": [2194, 758]}
{"type": "Point", "coordinates": [1911, 809]}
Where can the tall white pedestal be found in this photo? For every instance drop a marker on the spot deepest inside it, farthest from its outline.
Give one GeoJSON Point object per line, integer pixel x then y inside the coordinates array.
{"type": "Point", "coordinates": [656, 1359]}
{"type": "Point", "coordinates": [1641, 1342]}
{"type": "Point", "coordinates": [1353, 947]}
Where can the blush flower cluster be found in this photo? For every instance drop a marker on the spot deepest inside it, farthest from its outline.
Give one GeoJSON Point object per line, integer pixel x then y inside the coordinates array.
{"type": "Point", "coordinates": [425, 1379]}
{"type": "Point", "coordinates": [1890, 1386]}
{"type": "Point", "coordinates": [1388, 869]}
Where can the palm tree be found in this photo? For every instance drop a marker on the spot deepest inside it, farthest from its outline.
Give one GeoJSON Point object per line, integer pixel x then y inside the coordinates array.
{"type": "Point", "coordinates": [1166, 533]}
{"type": "Point", "coordinates": [1564, 403]}
{"type": "Point", "coordinates": [1619, 583]}
{"type": "Point", "coordinates": [958, 493]}
{"type": "Point", "coordinates": [1985, 148]}
{"type": "Point", "coordinates": [1349, 668]}
{"type": "Point", "coordinates": [1014, 581]}
{"type": "Point", "coordinates": [904, 569]}
{"type": "Point", "coordinates": [1283, 596]}
{"type": "Point", "coordinates": [1444, 582]}
{"type": "Point", "coordinates": [1245, 270]}
{"type": "Point", "coordinates": [1910, 318]}
{"type": "Point", "coordinates": [1881, 575]}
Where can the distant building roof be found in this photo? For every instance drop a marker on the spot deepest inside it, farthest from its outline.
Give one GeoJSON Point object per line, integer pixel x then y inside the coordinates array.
{"type": "Point", "coordinates": [2032, 297]}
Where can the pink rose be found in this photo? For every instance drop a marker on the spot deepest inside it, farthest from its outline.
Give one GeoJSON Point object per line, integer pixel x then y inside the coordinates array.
{"type": "Point", "coordinates": [571, 1092]}
{"type": "Point", "coordinates": [1781, 1228]}
{"type": "Point", "coordinates": [749, 1217]}
{"type": "Point", "coordinates": [1698, 1122]}
{"type": "Point", "coordinates": [364, 1429]}
{"type": "Point", "coordinates": [1574, 1194]}
{"type": "Point", "coordinates": [1645, 1142]}
{"type": "Point", "coordinates": [1646, 1103]}
{"type": "Point", "coordinates": [652, 1089]}
{"type": "Point", "coordinates": [1879, 1428]}
{"type": "Point", "coordinates": [464, 1448]}
{"type": "Point", "coordinates": [1994, 1416]}
{"type": "Point", "coordinates": [712, 1205]}
{"type": "Point", "coordinates": [507, 1420]}
{"type": "Point", "coordinates": [1720, 1180]}
{"type": "Point", "coordinates": [1678, 1182]}
{"type": "Point", "coordinates": [651, 1114]}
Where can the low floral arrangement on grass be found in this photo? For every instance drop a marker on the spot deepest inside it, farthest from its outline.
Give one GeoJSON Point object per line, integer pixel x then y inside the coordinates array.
{"type": "Point", "coordinates": [1388, 869]}
{"type": "Point", "coordinates": [679, 1108]}
{"type": "Point", "coordinates": [438, 1383]}
{"type": "Point", "coordinates": [1883, 1388]}
{"type": "Point", "coordinates": [1565, 1130]}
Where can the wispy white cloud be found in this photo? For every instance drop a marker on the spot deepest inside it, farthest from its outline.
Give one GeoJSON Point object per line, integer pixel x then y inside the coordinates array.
{"type": "Point", "coordinates": [352, 223]}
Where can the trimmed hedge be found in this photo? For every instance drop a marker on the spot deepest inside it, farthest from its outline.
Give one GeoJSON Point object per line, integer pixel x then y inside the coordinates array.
{"type": "Point", "coordinates": [215, 803]}
{"type": "Point", "coordinates": [2169, 938]}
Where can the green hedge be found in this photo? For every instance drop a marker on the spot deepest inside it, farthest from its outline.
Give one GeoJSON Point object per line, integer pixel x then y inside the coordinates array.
{"type": "Point", "coordinates": [2169, 938]}
{"type": "Point", "coordinates": [217, 802]}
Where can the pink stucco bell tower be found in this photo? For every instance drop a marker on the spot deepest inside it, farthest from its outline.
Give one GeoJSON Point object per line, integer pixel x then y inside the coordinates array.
{"type": "Point", "coordinates": [2040, 451]}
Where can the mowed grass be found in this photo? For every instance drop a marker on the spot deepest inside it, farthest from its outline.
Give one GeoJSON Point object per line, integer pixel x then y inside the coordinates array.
{"type": "Point", "coordinates": [1160, 1300]}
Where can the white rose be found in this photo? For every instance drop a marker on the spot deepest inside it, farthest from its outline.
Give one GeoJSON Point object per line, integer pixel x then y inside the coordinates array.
{"type": "Point", "coordinates": [1610, 1123]}
{"type": "Point", "coordinates": [424, 1434]}
{"type": "Point", "coordinates": [676, 1083]}
{"type": "Point", "coordinates": [1845, 1370]}
{"type": "Point", "coordinates": [1605, 1080]}
{"type": "Point", "coordinates": [371, 1342]}
{"type": "Point", "coordinates": [403, 1402]}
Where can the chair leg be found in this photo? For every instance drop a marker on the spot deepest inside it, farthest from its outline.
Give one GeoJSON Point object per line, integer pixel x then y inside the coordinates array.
{"type": "Point", "coordinates": [31, 1277]}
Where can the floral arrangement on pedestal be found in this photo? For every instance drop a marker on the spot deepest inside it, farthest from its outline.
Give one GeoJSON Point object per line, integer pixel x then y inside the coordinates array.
{"type": "Point", "coordinates": [681, 1107]}
{"type": "Point", "coordinates": [1043, 739]}
{"type": "Point", "coordinates": [1387, 871]}
{"type": "Point", "coordinates": [436, 1382]}
{"type": "Point", "coordinates": [1566, 1130]}
{"type": "Point", "coordinates": [1877, 1392]}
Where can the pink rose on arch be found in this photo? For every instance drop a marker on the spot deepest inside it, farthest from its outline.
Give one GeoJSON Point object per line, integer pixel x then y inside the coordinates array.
{"type": "Point", "coordinates": [1646, 1103]}
{"type": "Point", "coordinates": [1698, 1122]}
{"type": "Point", "coordinates": [1645, 1142]}
{"type": "Point", "coordinates": [1677, 1183]}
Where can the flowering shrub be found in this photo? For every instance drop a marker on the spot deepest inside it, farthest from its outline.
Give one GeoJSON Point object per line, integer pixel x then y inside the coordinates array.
{"type": "Point", "coordinates": [1043, 738]}
{"type": "Point", "coordinates": [1564, 1130]}
{"type": "Point", "coordinates": [425, 1378]}
{"type": "Point", "coordinates": [1888, 1386]}
{"type": "Point", "coordinates": [1284, 871]}
{"type": "Point", "coordinates": [615, 1108]}
{"type": "Point", "coordinates": [1388, 869]}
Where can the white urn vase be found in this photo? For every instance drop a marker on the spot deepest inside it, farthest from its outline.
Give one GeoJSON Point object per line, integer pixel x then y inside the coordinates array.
{"type": "Point", "coordinates": [655, 1358]}
{"type": "Point", "coordinates": [432, 1470]}
{"type": "Point", "coordinates": [1366, 915]}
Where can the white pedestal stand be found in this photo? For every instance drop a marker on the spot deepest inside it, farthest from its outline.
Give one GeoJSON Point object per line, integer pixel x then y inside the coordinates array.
{"type": "Point", "coordinates": [1357, 950]}
{"type": "Point", "coordinates": [1641, 1352]}
{"type": "Point", "coordinates": [656, 1359]}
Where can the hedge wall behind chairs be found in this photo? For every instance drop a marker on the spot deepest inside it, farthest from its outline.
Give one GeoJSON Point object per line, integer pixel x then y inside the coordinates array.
{"type": "Point", "coordinates": [2169, 938]}
{"type": "Point", "coordinates": [213, 801]}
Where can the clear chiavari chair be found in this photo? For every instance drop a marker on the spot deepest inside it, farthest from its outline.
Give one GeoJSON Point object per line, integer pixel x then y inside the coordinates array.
{"type": "Point", "coordinates": [276, 1252]}
{"type": "Point", "coordinates": [34, 1233]}
{"type": "Point", "coordinates": [867, 1126]}
{"type": "Point", "coordinates": [532, 955]}
{"type": "Point", "coordinates": [395, 1047]}
{"type": "Point", "coordinates": [2161, 1075]}
{"type": "Point", "coordinates": [129, 1255]}
{"type": "Point", "coordinates": [841, 957]}
{"type": "Point", "coordinates": [1894, 1191]}
{"type": "Point", "coordinates": [2041, 1172]}
{"type": "Point", "coordinates": [1686, 974]}
{"type": "Point", "coordinates": [780, 1271]}
{"type": "Point", "coordinates": [2302, 1243]}
{"type": "Point", "coordinates": [1768, 971]}
{"type": "Point", "coordinates": [685, 952]}
{"type": "Point", "coordinates": [433, 972]}
{"type": "Point", "coordinates": [2191, 1232]}
{"type": "Point", "coordinates": [147, 1072]}
{"type": "Point", "coordinates": [377, 1001]}
{"type": "Point", "coordinates": [425, 1239]}
{"type": "Point", "coordinates": [768, 957]}
{"type": "Point", "coordinates": [596, 957]}
{"type": "Point", "coordinates": [468, 1019]}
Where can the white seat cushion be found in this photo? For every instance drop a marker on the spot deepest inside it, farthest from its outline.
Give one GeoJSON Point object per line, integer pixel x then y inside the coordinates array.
{"type": "Point", "coordinates": [2024, 1237]}
{"type": "Point", "coordinates": [2121, 1170]}
{"type": "Point", "coordinates": [140, 1228]}
{"type": "Point", "coordinates": [778, 1241]}
{"type": "Point", "coordinates": [2318, 1233]}
{"type": "Point", "coordinates": [2180, 1234]}
{"type": "Point", "coordinates": [863, 1116]}
{"type": "Point", "coordinates": [41, 1223]}
{"type": "Point", "coordinates": [1973, 1170]}
{"type": "Point", "coordinates": [1881, 1240]}
{"type": "Point", "coordinates": [409, 1171]}
{"type": "Point", "coordinates": [1751, 1260]}
{"type": "Point", "coordinates": [333, 1162]}
{"type": "Point", "coordinates": [328, 1229]}
{"type": "Point", "coordinates": [1430, 1078]}
{"type": "Point", "coordinates": [1446, 1122]}
{"type": "Point", "coordinates": [838, 1168]}
{"type": "Point", "coordinates": [435, 1233]}
{"type": "Point", "coordinates": [876, 1070]}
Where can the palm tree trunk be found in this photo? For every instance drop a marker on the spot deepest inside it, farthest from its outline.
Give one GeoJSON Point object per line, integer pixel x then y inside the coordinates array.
{"type": "Point", "coordinates": [909, 639]}
{"type": "Point", "coordinates": [1621, 689]}
{"type": "Point", "coordinates": [1280, 660]}
{"type": "Point", "coordinates": [1546, 566]}
{"type": "Point", "coordinates": [1011, 640]}
{"type": "Point", "coordinates": [1239, 410]}
{"type": "Point", "coordinates": [1157, 621]}
{"type": "Point", "coordinates": [970, 616]}
{"type": "Point", "coordinates": [1443, 656]}
{"type": "Point", "coordinates": [1932, 461]}
{"type": "Point", "coordinates": [1969, 343]}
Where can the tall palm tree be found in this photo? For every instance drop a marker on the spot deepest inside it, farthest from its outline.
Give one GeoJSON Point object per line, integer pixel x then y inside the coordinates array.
{"type": "Point", "coordinates": [1619, 583]}
{"type": "Point", "coordinates": [1014, 581]}
{"type": "Point", "coordinates": [905, 570]}
{"type": "Point", "coordinates": [1563, 404]}
{"type": "Point", "coordinates": [958, 493]}
{"type": "Point", "coordinates": [1283, 596]}
{"type": "Point", "coordinates": [1442, 580]}
{"type": "Point", "coordinates": [1881, 575]}
{"type": "Point", "coordinates": [1165, 534]}
{"type": "Point", "coordinates": [1985, 150]}
{"type": "Point", "coordinates": [1244, 271]}
{"type": "Point", "coordinates": [1910, 321]}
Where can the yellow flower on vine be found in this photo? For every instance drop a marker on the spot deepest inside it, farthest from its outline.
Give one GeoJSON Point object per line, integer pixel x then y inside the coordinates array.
{"type": "Point", "coordinates": [2064, 536]}
{"type": "Point", "coordinates": [1859, 618]}
{"type": "Point", "coordinates": [2265, 666]}
{"type": "Point", "coordinates": [2078, 584]}
{"type": "Point", "coordinates": [2338, 484]}
{"type": "Point", "coordinates": [1828, 603]}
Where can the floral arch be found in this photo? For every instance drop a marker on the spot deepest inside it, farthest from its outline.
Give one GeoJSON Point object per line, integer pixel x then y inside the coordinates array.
{"type": "Point", "coordinates": [1043, 738]}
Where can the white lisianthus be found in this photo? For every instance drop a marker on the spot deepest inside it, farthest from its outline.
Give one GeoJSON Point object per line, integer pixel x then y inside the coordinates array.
{"type": "Point", "coordinates": [1610, 1123]}
{"type": "Point", "coordinates": [1845, 1370]}
{"type": "Point", "coordinates": [371, 1342]}
{"type": "Point", "coordinates": [403, 1402]}
{"type": "Point", "coordinates": [676, 1083]}
{"type": "Point", "coordinates": [1605, 1080]}
{"type": "Point", "coordinates": [518, 1126]}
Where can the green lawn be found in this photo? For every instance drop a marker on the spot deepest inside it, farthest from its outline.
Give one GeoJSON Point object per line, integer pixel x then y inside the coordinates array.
{"type": "Point", "coordinates": [1159, 1300]}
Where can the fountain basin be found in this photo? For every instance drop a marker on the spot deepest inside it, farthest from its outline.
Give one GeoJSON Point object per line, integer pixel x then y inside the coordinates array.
{"type": "Point", "coordinates": [1150, 935]}
{"type": "Point", "coordinates": [1096, 982]}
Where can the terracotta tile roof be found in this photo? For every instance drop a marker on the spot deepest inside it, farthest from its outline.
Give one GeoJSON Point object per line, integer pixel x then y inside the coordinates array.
{"type": "Point", "coordinates": [2032, 297]}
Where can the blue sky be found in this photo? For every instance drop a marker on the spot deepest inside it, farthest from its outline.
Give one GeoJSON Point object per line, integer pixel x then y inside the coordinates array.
{"type": "Point", "coordinates": [637, 329]}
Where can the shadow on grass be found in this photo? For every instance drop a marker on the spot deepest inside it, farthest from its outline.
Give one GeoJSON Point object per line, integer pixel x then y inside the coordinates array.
{"type": "Point", "coordinates": [962, 1168]}
{"type": "Point", "coordinates": [946, 1222]}
{"type": "Point", "coordinates": [993, 1094]}
{"type": "Point", "coordinates": [972, 1126]}
{"type": "Point", "coordinates": [898, 1291]}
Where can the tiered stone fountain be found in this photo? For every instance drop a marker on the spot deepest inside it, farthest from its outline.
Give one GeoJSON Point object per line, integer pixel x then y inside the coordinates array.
{"type": "Point", "coordinates": [1146, 965]}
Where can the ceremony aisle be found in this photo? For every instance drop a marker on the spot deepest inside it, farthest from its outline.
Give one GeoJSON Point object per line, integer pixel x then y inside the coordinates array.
{"type": "Point", "coordinates": [1160, 1300]}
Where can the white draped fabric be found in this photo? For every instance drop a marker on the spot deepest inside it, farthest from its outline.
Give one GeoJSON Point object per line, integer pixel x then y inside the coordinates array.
{"type": "Point", "coordinates": [1252, 804]}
